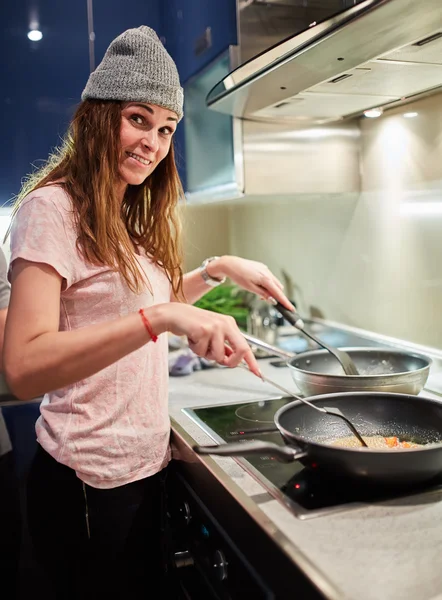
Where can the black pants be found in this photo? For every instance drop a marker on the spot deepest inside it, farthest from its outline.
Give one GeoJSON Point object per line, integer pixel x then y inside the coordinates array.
{"type": "Point", "coordinates": [116, 551]}
{"type": "Point", "coordinates": [10, 526]}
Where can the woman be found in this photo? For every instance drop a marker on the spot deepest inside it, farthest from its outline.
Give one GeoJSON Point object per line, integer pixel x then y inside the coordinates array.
{"type": "Point", "coordinates": [96, 284]}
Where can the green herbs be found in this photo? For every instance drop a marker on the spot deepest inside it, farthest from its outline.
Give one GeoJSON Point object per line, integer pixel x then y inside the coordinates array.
{"type": "Point", "coordinates": [228, 299]}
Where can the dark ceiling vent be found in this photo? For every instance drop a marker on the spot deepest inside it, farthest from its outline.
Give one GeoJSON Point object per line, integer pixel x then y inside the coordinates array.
{"type": "Point", "coordinates": [341, 78]}
{"type": "Point", "coordinates": [429, 39]}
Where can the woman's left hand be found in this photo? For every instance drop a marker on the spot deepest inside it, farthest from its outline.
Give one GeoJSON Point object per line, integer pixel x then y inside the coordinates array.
{"type": "Point", "coordinates": [253, 276]}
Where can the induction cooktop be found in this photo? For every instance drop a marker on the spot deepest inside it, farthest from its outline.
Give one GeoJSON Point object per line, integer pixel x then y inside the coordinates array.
{"type": "Point", "coordinates": [304, 490]}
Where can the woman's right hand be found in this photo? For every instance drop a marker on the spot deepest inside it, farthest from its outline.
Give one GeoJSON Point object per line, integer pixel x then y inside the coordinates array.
{"type": "Point", "coordinates": [210, 335]}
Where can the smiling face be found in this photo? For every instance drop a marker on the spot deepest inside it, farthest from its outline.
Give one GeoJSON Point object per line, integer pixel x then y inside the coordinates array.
{"type": "Point", "coordinates": [145, 136]}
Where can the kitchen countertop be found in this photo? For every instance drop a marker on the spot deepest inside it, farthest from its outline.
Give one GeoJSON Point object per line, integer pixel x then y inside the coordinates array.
{"type": "Point", "coordinates": [387, 551]}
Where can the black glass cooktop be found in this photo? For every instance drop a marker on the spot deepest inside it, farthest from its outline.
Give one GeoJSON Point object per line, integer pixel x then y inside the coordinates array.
{"type": "Point", "coordinates": [305, 490]}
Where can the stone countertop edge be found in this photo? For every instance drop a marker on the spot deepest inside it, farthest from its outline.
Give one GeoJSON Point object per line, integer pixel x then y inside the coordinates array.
{"type": "Point", "coordinates": [386, 550]}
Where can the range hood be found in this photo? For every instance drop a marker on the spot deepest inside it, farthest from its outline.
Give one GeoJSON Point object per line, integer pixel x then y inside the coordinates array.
{"type": "Point", "coordinates": [375, 53]}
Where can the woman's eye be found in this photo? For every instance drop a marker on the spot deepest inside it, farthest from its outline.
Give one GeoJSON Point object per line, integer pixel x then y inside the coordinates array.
{"type": "Point", "coordinates": [143, 122]}
{"type": "Point", "coordinates": [138, 119]}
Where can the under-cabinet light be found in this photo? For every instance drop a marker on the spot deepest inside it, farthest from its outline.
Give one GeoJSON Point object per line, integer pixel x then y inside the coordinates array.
{"type": "Point", "coordinates": [373, 113]}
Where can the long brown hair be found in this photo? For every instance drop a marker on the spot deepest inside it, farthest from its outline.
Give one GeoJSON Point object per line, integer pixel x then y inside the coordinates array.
{"type": "Point", "coordinates": [87, 164]}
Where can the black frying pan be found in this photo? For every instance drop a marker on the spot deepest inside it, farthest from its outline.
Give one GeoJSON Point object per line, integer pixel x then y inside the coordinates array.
{"type": "Point", "coordinates": [381, 370]}
{"type": "Point", "coordinates": [308, 435]}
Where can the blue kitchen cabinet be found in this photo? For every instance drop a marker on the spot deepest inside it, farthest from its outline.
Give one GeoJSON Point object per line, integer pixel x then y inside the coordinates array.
{"type": "Point", "coordinates": [196, 31]}
{"type": "Point", "coordinates": [115, 16]}
{"type": "Point", "coordinates": [41, 83]}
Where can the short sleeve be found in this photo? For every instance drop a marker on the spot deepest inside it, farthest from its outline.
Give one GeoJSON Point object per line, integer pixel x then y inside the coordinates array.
{"type": "Point", "coordinates": [42, 231]}
{"type": "Point", "coordinates": [5, 289]}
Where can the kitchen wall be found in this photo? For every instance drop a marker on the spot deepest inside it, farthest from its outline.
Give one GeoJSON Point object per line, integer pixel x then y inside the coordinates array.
{"type": "Point", "coordinates": [371, 260]}
{"type": "Point", "coordinates": [206, 232]}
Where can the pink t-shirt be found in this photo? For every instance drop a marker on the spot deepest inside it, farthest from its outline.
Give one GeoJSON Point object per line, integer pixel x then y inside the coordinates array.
{"type": "Point", "coordinates": [113, 427]}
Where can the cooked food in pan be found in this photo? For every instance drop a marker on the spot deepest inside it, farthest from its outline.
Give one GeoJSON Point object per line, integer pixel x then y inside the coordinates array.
{"type": "Point", "coordinates": [377, 442]}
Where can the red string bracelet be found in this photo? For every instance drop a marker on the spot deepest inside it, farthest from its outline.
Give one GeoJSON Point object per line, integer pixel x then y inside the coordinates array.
{"type": "Point", "coordinates": [148, 326]}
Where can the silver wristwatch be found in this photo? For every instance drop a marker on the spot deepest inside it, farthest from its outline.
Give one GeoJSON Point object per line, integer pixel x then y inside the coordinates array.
{"type": "Point", "coordinates": [204, 274]}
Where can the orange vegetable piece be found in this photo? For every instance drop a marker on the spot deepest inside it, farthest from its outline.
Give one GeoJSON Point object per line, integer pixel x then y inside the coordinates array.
{"type": "Point", "coordinates": [392, 442]}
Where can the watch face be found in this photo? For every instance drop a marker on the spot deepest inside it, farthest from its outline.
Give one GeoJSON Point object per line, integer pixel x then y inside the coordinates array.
{"type": "Point", "coordinates": [204, 274]}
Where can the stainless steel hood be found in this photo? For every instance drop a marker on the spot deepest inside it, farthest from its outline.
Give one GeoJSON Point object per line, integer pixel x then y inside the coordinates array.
{"type": "Point", "coordinates": [376, 53]}
{"type": "Point", "coordinates": [228, 158]}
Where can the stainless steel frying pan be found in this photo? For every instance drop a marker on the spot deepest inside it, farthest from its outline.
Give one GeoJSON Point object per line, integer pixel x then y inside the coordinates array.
{"type": "Point", "coordinates": [381, 370]}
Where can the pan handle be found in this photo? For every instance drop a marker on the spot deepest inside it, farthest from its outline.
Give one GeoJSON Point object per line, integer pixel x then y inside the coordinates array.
{"type": "Point", "coordinates": [253, 341]}
{"type": "Point", "coordinates": [285, 454]}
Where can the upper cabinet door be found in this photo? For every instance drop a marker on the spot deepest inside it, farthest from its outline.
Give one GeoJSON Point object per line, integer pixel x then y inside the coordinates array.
{"type": "Point", "coordinates": [115, 16]}
{"type": "Point", "coordinates": [196, 31]}
{"type": "Point", "coordinates": [41, 83]}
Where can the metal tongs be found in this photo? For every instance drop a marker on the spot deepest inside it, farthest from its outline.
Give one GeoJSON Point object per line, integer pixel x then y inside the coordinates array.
{"type": "Point", "coordinates": [329, 410]}
{"type": "Point", "coordinates": [294, 319]}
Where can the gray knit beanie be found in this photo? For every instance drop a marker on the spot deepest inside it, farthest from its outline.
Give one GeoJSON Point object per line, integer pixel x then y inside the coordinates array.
{"type": "Point", "coordinates": [137, 68]}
